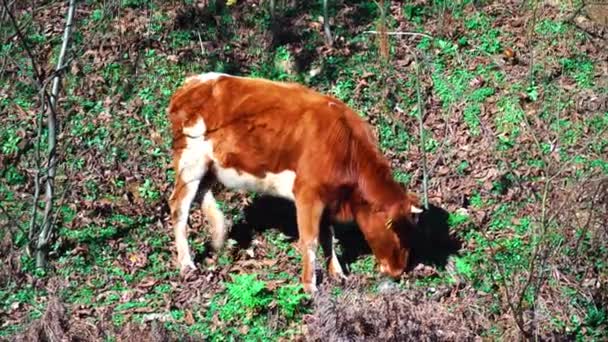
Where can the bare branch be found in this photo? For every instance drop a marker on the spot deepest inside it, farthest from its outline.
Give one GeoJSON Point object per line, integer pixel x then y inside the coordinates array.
{"type": "Point", "coordinates": [12, 223]}
{"type": "Point", "coordinates": [200, 41]}
{"type": "Point", "coordinates": [574, 13]}
{"type": "Point", "coordinates": [396, 33]}
{"type": "Point", "coordinates": [421, 129]}
{"type": "Point", "coordinates": [47, 225]}
{"type": "Point", "coordinates": [23, 41]}
{"type": "Point", "coordinates": [591, 215]}
{"type": "Point", "coordinates": [515, 310]}
{"type": "Point", "coordinates": [34, 214]}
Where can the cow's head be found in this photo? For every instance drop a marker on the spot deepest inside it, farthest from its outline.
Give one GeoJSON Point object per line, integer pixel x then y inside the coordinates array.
{"type": "Point", "coordinates": [387, 232]}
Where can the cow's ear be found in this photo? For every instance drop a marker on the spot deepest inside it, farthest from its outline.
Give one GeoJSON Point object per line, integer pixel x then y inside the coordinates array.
{"type": "Point", "coordinates": [416, 210]}
{"type": "Point", "coordinates": [414, 200]}
{"type": "Point", "coordinates": [416, 214]}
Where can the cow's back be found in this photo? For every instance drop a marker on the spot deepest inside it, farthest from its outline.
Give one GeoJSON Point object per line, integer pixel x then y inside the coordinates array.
{"type": "Point", "coordinates": [261, 126]}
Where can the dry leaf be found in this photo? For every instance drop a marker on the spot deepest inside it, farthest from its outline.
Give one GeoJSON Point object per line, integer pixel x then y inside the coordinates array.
{"type": "Point", "coordinates": [188, 318]}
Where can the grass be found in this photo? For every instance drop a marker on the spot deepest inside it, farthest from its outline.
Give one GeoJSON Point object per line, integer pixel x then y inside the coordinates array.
{"type": "Point", "coordinates": [121, 248]}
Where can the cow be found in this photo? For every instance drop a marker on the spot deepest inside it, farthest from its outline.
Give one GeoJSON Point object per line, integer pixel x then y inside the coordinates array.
{"type": "Point", "coordinates": [286, 140]}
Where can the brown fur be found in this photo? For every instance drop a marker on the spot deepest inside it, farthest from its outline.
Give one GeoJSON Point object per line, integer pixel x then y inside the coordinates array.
{"type": "Point", "coordinates": [260, 126]}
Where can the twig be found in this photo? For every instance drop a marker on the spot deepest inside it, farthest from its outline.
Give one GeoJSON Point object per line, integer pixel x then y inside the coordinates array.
{"type": "Point", "coordinates": [383, 37]}
{"type": "Point", "coordinates": [536, 141]}
{"type": "Point", "coordinates": [543, 223]}
{"type": "Point", "coordinates": [575, 13]}
{"type": "Point", "coordinates": [23, 41]}
{"type": "Point", "coordinates": [200, 41]}
{"type": "Point", "coordinates": [529, 39]}
{"type": "Point", "coordinates": [591, 212]}
{"type": "Point", "coordinates": [10, 219]}
{"type": "Point", "coordinates": [544, 226]}
{"type": "Point", "coordinates": [421, 128]}
{"type": "Point", "coordinates": [397, 33]}
{"type": "Point", "coordinates": [60, 203]}
{"type": "Point", "coordinates": [3, 67]}
{"type": "Point", "coordinates": [34, 214]}
{"type": "Point", "coordinates": [516, 313]}
{"type": "Point", "coordinates": [441, 149]}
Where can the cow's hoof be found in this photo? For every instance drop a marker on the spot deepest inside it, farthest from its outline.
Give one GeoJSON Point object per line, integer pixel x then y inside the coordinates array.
{"type": "Point", "coordinates": [310, 288]}
{"type": "Point", "coordinates": [186, 268]}
{"type": "Point", "coordinates": [338, 276]}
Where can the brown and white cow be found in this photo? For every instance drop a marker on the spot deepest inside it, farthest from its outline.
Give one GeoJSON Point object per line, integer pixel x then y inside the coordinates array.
{"type": "Point", "coordinates": [286, 140]}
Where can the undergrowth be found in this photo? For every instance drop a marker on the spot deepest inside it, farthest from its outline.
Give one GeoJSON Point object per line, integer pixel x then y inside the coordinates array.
{"type": "Point", "coordinates": [495, 130]}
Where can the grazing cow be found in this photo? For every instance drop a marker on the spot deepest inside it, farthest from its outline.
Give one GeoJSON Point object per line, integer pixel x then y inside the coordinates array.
{"type": "Point", "coordinates": [286, 140]}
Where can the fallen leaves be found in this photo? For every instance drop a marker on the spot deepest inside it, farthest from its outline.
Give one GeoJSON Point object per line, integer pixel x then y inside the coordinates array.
{"type": "Point", "coordinates": [188, 317]}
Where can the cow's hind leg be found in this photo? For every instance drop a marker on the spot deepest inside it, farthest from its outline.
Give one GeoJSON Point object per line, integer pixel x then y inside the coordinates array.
{"type": "Point", "coordinates": [327, 244]}
{"type": "Point", "coordinates": [215, 217]}
{"type": "Point", "coordinates": [189, 173]}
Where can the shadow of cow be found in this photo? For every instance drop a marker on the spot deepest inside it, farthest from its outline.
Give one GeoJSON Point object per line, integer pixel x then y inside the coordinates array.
{"type": "Point", "coordinates": [431, 241]}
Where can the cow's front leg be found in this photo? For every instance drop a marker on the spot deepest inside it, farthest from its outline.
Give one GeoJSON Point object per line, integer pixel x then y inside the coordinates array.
{"type": "Point", "coordinates": [309, 209]}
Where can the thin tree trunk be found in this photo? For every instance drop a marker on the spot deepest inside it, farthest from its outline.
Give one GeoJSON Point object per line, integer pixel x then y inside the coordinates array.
{"type": "Point", "coordinates": [272, 8]}
{"type": "Point", "coordinates": [383, 37]}
{"type": "Point", "coordinates": [326, 23]}
{"type": "Point", "coordinates": [46, 232]}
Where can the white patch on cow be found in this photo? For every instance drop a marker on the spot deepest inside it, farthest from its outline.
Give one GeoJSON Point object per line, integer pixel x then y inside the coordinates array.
{"type": "Point", "coordinates": [206, 76]}
{"type": "Point", "coordinates": [312, 264]}
{"type": "Point", "coordinates": [199, 152]}
{"type": "Point", "coordinates": [209, 76]}
{"type": "Point", "coordinates": [215, 217]}
{"type": "Point", "coordinates": [197, 130]}
{"type": "Point", "coordinates": [194, 161]}
{"type": "Point", "coordinates": [278, 184]}
{"type": "Point", "coordinates": [416, 210]}
{"type": "Point", "coordinates": [335, 264]}
{"type": "Point", "coordinates": [195, 156]}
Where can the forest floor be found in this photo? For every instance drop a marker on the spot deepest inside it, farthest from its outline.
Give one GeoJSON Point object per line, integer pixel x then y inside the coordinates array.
{"type": "Point", "coordinates": [515, 131]}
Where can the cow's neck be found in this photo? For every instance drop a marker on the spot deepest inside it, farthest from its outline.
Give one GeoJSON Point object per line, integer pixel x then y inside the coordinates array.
{"type": "Point", "coordinates": [376, 183]}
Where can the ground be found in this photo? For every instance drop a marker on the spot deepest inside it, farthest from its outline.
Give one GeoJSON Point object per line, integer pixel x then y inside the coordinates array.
{"type": "Point", "coordinates": [514, 140]}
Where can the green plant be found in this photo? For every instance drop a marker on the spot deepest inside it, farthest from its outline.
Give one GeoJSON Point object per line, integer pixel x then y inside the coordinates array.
{"type": "Point", "coordinates": [402, 177]}
{"type": "Point", "coordinates": [510, 117]}
{"type": "Point", "coordinates": [471, 118]}
{"type": "Point", "coordinates": [414, 13]}
{"type": "Point", "coordinates": [343, 89]}
{"type": "Point", "coordinates": [364, 265]}
{"type": "Point", "coordinates": [10, 142]}
{"type": "Point", "coordinates": [148, 191]}
{"type": "Point", "coordinates": [180, 39]}
{"type": "Point", "coordinates": [462, 167]}
{"type": "Point", "coordinates": [456, 219]}
{"type": "Point", "coordinates": [550, 28]}
{"type": "Point", "coordinates": [393, 137]}
{"type": "Point", "coordinates": [290, 299]}
{"type": "Point", "coordinates": [244, 312]}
